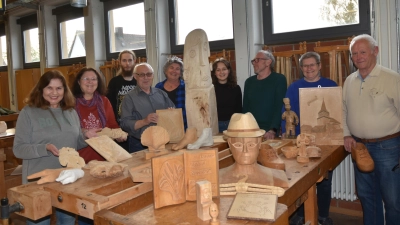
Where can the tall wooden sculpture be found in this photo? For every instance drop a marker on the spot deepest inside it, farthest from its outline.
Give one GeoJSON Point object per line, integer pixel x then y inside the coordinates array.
{"type": "Point", "coordinates": [200, 93]}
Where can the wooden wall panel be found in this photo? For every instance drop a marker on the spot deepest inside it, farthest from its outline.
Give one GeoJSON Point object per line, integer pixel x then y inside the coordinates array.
{"type": "Point", "coordinates": [4, 90]}
{"type": "Point", "coordinates": [25, 80]}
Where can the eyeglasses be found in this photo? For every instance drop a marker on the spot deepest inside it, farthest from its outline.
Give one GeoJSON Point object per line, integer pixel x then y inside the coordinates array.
{"type": "Point", "coordinates": [142, 75]}
{"type": "Point", "coordinates": [256, 60]}
{"type": "Point", "coordinates": [89, 79]}
{"type": "Point", "coordinates": [310, 65]}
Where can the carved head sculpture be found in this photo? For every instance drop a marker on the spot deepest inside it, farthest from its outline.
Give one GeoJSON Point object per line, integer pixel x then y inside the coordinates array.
{"type": "Point", "coordinates": [197, 68]}
{"type": "Point", "coordinates": [206, 194]}
{"type": "Point", "coordinates": [214, 210]}
{"type": "Point", "coordinates": [244, 138]}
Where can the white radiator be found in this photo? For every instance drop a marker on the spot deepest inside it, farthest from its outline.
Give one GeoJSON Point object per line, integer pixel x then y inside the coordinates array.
{"type": "Point", "coordinates": [343, 183]}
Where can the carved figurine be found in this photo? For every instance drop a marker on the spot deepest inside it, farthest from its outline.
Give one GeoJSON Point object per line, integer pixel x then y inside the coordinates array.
{"type": "Point", "coordinates": [204, 199]}
{"type": "Point", "coordinates": [155, 138]}
{"type": "Point", "coordinates": [291, 119]}
{"type": "Point", "coordinates": [214, 214]}
{"type": "Point", "coordinates": [199, 91]}
{"type": "Point", "coordinates": [244, 139]}
{"type": "Point", "coordinates": [206, 139]}
{"type": "Point", "coordinates": [189, 138]}
{"type": "Point", "coordinates": [103, 169]}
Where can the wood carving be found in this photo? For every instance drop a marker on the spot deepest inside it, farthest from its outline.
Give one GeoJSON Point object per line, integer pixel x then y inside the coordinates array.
{"type": "Point", "coordinates": [172, 121]}
{"type": "Point", "coordinates": [155, 138]}
{"type": "Point", "coordinates": [200, 93]}
{"type": "Point", "coordinates": [204, 199]}
{"type": "Point", "coordinates": [201, 165]}
{"type": "Point", "coordinates": [214, 212]}
{"type": "Point", "coordinates": [47, 175]}
{"type": "Point", "coordinates": [69, 157]}
{"type": "Point", "coordinates": [142, 173]}
{"type": "Point", "coordinates": [302, 141]}
{"type": "Point", "coordinates": [113, 133]}
{"type": "Point", "coordinates": [3, 127]}
{"type": "Point", "coordinates": [363, 159]}
{"type": "Point", "coordinates": [245, 152]}
{"type": "Point", "coordinates": [107, 148]}
{"type": "Point", "coordinates": [168, 180]}
{"type": "Point", "coordinates": [320, 114]}
{"type": "Point", "coordinates": [103, 169]}
{"type": "Point", "coordinates": [269, 158]}
{"type": "Point", "coordinates": [242, 187]}
{"type": "Point", "coordinates": [189, 138]}
{"type": "Point", "coordinates": [291, 119]}
{"type": "Point", "coordinates": [290, 151]}
{"type": "Point", "coordinates": [254, 206]}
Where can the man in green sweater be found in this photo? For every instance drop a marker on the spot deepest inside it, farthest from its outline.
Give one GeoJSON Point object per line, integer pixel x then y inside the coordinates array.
{"type": "Point", "coordinates": [264, 93]}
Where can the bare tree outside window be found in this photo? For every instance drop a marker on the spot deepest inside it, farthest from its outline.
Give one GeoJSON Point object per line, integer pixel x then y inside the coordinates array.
{"type": "Point", "coordinates": [340, 12]}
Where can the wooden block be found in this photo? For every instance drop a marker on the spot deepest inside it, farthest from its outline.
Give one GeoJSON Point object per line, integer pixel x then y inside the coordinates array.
{"type": "Point", "coordinates": [141, 173]}
{"type": "Point", "coordinates": [204, 199]}
{"type": "Point", "coordinates": [321, 115]}
{"type": "Point", "coordinates": [202, 105]}
{"type": "Point", "coordinates": [254, 206]}
{"type": "Point", "coordinates": [168, 180]}
{"type": "Point", "coordinates": [172, 121]}
{"type": "Point", "coordinates": [107, 148]}
{"type": "Point", "coordinates": [201, 165]}
{"type": "Point", "coordinates": [36, 202]}
{"type": "Point", "coordinates": [150, 154]}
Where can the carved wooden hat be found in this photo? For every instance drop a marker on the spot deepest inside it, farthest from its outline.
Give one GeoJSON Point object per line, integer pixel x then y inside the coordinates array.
{"type": "Point", "coordinates": [243, 125]}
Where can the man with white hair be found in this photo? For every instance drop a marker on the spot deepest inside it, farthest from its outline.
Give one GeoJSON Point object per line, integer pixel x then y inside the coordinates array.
{"type": "Point", "coordinates": [138, 109]}
{"type": "Point", "coordinates": [371, 115]}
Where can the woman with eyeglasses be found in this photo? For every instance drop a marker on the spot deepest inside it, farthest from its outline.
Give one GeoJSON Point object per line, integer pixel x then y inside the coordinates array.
{"type": "Point", "coordinates": [227, 91]}
{"type": "Point", "coordinates": [174, 85]}
{"type": "Point", "coordinates": [93, 107]}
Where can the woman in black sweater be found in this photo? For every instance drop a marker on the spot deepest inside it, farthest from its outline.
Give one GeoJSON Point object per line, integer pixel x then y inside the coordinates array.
{"type": "Point", "coordinates": [228, 93]}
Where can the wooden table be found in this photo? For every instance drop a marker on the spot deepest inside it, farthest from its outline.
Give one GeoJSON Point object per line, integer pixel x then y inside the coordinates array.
{"type": "Point", "coordinates": [8, 162]}
{"type": "Point", "coordinates": [91, 197]}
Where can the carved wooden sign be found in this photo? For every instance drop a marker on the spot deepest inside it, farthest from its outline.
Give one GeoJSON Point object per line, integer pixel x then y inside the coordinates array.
{"type": "Point", "coordinates": [172, 121]}
{"type": "Point", "coordinates": [168, 180]}
{"type": "Point", "coordinates": [254, 206]}
{"type": "Point", "coordinates": [107, 148]}
{"type": "Point", "coordinates": [321, 114]}
{"type": "Point", "coordinates": [201, 165]}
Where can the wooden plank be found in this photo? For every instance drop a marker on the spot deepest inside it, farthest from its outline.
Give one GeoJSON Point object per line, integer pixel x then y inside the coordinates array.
{"type": "Point", "coordinates": [172, 121]}
{"type": "Point", "coordinates": [310, 206]}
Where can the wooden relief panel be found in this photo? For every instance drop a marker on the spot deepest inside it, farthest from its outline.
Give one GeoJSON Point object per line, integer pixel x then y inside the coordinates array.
{"type": "Point", "coordinates": [168, 180]}
{"type": "Point", "coordinates": [107, 148]}
{"type": "Point", "coordinates": [321, 114]}
{"type": "Point", "coordinates": [172, 121]}
{"type": "Point", "coordinates": [201, 165]}
{"type": "Point", "coordinates": [202, 107]}
{"type": "Point", "coordinates": [142, 173]}
{"type": "Point", "coordinates": [253, 206]}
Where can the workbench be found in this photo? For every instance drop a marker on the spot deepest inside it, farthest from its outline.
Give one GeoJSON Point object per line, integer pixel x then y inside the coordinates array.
{"type": "Point", "coordinates": [118, 199]}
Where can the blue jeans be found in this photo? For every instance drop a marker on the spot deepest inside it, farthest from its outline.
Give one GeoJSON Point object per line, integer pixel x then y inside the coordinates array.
{"type": "Point", "coordinates": [223, 125]}
{"type": "Point", "coordinates": [382, 184]}
{"type": "Point", "coordinates": [324, 189]}
{"type": "Point", "coordinates": [84, 221]}
{"type": "Point", "coordinates": [63, 218]}
{"type": "Point", "coordinates": [135, 144]}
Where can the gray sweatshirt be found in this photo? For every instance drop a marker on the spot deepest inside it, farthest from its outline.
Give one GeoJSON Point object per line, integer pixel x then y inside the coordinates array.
{"type": "Point", "coordinates": [35, 128]}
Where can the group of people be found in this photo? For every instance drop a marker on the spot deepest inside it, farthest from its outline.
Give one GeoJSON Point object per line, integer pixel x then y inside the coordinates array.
{"type": "Point", "coordinates": [57, 117]}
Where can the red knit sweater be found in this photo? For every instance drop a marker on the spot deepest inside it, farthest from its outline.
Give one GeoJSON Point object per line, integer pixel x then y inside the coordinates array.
{"type": "Point", "coordinates": [90, 119]}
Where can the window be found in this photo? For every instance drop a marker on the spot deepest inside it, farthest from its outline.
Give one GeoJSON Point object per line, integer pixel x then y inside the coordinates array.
{"type": "Point", "coordinates": [30, 41]}
{"type": "Point", "coordinates": [293, 21]}
{"type": "Point", "coordinates": [71, 35]}
{"type": "Point", "coordinates": [3, 48]}
{"type": "Point", "coordinates": [125, 27]}
{"type": "Point", "coordinates": [214, 17]}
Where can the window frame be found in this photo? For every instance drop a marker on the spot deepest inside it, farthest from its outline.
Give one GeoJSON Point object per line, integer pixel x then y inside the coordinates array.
{"type": "Point", "coordinates": [3, 33]}
{"type": "Point", "coordinates": [315, 34]}
{"type": "Point", "coordinates": [65, 13]}
{"type": "Point", "coordinates": [27, 23]}
{"type": "Point", "coordinates": [178, 49]}
{"type": "Point", "coordinates": [111, 5]}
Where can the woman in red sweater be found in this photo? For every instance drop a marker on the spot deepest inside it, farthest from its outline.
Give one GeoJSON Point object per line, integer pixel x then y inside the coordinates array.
{"type": "Point", "coordinates": [93, 107]}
